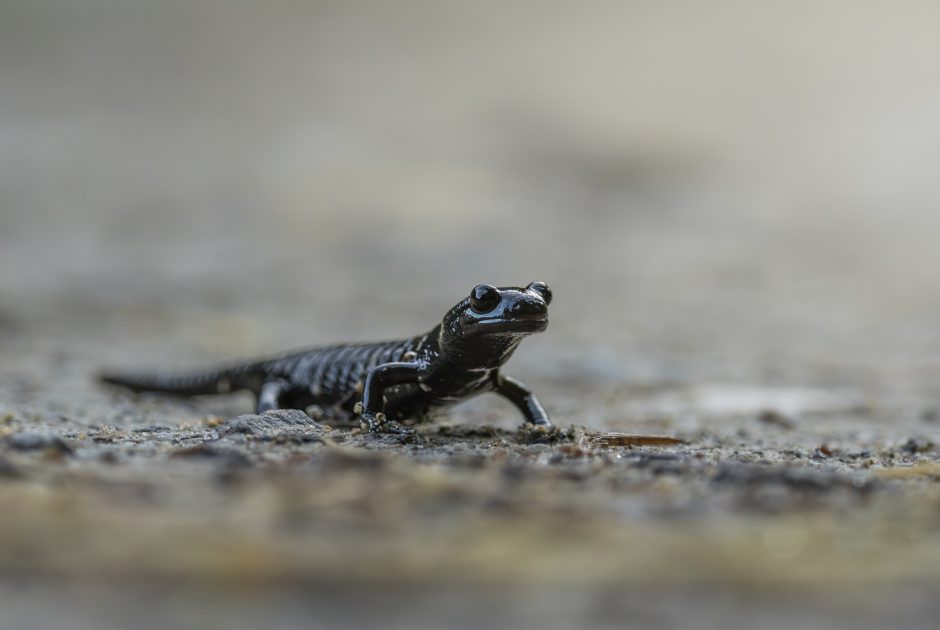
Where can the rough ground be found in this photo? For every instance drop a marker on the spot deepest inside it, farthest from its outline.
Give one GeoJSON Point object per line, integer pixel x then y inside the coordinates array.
{"type": "Point", "coordinates": [823, 502]}
{"type": "Point", "coordinates": [735, 207]}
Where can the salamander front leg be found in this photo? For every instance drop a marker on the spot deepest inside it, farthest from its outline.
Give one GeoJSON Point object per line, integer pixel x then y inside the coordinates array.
{"type": "Point", "coordinates": [373, 394]}
{"type": "Point", "coordinates": [524, 400]}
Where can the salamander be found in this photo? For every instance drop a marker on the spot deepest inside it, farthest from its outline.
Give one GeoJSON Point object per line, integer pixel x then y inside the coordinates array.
{"type": "Point", "coordinates": [385, 383]}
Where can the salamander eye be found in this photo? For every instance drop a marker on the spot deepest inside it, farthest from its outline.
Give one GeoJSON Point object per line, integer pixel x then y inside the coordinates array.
{"type": "Point", "coordinates": [484, 298]}
{"type": "Point", "coordinates": [542, 289]}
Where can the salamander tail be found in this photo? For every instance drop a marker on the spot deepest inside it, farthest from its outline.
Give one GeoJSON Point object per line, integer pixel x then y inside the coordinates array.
{"type": "Point", "coordinates": [219, 382]}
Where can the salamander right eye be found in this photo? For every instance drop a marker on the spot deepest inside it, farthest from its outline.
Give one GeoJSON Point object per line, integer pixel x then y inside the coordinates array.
{"type": "Point", "coordinates": [484, 298]}
{"type": "Point", "coordinates": [542, 289]}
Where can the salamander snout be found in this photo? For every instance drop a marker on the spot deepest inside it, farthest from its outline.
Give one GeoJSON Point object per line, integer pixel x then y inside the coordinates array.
{"type": "Point", "coordinates": [527, 306]}
{"type": "Point", "coordinates": [529, 303]}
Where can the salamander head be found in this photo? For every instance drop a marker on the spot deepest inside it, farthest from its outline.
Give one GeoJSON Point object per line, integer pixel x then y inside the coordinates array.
{"type": "Point", "coordinates": [505, 313]}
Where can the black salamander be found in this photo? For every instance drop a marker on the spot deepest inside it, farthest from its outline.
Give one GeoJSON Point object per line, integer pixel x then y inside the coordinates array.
{"type": "Point", "coordinates": [387, 382]}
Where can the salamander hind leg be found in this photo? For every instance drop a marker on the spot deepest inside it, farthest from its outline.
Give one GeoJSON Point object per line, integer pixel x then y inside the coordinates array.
{"type": "Point", "coordinates": [270, 396]}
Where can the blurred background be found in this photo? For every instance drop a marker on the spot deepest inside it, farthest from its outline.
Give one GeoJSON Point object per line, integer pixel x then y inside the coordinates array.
{"type": "Point", "coordinates": [709, 187]}
{"type": "Point", "coordinates": [728, 192]}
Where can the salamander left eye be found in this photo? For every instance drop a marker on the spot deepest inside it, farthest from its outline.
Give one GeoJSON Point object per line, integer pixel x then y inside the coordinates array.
{"type": "Point", "coordinates": [542, 289]}
{"type": "Point", "coordinates": [484, 298]}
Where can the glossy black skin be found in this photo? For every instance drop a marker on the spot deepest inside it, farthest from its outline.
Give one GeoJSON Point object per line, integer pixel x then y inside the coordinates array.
{"type": "Point", "coordinates": [387, 382]}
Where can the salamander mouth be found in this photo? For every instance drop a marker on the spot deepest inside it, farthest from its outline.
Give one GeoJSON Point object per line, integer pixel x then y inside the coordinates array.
{"type": "Point", "coordinates": [519, 323]}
